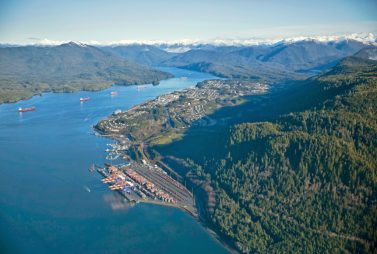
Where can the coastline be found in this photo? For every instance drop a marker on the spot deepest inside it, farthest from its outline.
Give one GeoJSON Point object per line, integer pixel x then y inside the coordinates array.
{"type": "Point", "coordinates": [234, 90]}
{"type": "Point", "coordinates": [206, 223]}
{"type": "Point", "coordinates": [226, 243]}
{"type": "Point", "coordinates": [200, 216]}
{"type": "Point", "coordinates": [94, 89]}
{"type": "Point", "coordinates": [62, 113]}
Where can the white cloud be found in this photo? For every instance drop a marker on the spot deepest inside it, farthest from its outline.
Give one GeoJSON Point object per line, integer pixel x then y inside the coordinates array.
{"type": "Point", "coordinates": [184, 44]}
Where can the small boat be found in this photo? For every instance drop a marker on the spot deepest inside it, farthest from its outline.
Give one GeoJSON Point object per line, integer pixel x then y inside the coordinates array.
{"type": "Point", "coordinates": [113, 93]}
{"type": "Point", "coordinates": [84, 99]}
{"type": "Point", "coordinates": [26, 109]}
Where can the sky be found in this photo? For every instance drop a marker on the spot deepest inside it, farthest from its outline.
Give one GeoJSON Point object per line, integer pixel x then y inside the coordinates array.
{"type": "Point", "coordinates": [30, 21]}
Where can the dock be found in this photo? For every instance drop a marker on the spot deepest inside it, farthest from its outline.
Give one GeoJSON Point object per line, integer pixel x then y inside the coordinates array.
{"type": "Point", "coordinates": [146, 183]}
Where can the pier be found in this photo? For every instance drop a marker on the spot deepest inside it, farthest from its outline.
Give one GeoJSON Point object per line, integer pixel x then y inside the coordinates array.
{"type": "Point", "coordinates": [147, 183]}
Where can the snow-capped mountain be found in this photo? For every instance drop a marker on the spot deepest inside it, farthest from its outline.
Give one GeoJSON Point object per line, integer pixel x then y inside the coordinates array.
{"type": "Point", "coordinates": [287, 58]}
{"type": "Point", "coordinates": [187, 44]}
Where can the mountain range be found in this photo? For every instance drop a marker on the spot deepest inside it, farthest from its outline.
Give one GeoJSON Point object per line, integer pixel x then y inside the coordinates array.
{"type": "Point", "coordinates": [261, 62]}
{"type": "Point", "coordinates": [272, 63]}
{"type": "Point", "coordinates": [29, 70]}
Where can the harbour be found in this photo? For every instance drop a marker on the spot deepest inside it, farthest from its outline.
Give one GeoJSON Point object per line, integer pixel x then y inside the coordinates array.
{"type": "Point", "coordinates": [51, 202]}
{"type": "Point", "coordinates": [148, 184]}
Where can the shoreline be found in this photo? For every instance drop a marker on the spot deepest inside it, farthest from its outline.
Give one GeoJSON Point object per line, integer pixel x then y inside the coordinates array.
{"type": "Point", "coordinates": [211, 90]}
{"type": "Point", "coordinates": [199, 217]}
{"type": "Point", "coordinates": [41, 93]}
{"type": "Point", "coordinates": [77, 120]}
{"type": "Point", "coordinates": [206, 224]}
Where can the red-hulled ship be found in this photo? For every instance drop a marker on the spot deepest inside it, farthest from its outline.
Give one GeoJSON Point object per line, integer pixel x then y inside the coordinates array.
{"type": "Point", "coordinates": [26, 109]}
{"type": "Point", "coordinates": [84, 99]}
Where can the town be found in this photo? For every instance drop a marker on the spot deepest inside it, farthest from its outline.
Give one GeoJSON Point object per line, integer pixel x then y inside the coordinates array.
{"type": "Point", "coordinates": [178, 110]}
{"type": "Point", "coordinates": [142, 179]}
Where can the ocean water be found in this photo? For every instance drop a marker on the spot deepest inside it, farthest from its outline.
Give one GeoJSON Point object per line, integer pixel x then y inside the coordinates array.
{"type": "Point", "coordinates": [51, 203]}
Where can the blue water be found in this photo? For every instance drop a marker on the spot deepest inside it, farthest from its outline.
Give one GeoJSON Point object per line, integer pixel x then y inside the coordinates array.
{"type": "Point", "coordinates": [45, 205]}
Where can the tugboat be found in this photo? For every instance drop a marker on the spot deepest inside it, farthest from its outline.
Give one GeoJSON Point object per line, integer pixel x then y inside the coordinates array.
{"type": "Point", "coordinates": [84, 99]}
{"type": "Point", "coordinates": [26, 109]}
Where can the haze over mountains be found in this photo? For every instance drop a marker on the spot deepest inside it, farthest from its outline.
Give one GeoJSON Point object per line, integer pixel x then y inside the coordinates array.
{"type": "Point", "coordinates": [265, 62]}
{"type": "Point", "coordinates": [29, 70]}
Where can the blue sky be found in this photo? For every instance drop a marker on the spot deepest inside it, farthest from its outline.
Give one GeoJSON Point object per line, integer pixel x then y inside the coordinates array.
{"type": "Point", "coordinates": [26, 21]}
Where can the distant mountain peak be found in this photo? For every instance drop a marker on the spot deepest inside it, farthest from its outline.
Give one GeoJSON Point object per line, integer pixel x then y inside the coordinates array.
{"type": "Point", "coordinates": [363, 38]}
{"type": "Point", "coordinates": [75, 44]}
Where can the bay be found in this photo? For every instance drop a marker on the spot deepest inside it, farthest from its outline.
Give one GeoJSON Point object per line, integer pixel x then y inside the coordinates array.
{"type": "Point", "coordinates": [51, 203]}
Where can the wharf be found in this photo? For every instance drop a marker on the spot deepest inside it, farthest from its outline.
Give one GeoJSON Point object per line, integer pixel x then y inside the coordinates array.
{"type": "Point", "coordinates": [144, 183]}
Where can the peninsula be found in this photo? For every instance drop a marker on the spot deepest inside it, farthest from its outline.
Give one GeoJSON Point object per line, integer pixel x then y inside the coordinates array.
{"type": "Point", "coordinates": [265, 166]}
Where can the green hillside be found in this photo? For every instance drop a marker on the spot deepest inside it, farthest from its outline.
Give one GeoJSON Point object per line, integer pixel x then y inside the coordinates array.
{"type": "Point", "coordinates": [148, 55]}
{"type": "Point", "coordinates": [26, 71]}
{"type": "Point", "coordinates": [272, 63]}
{"type": "Point", "coordinates": [295, 172]}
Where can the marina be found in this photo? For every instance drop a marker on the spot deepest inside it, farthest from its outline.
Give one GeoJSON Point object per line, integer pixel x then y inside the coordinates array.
{"type": "Point", "coordinates": [142, 181]}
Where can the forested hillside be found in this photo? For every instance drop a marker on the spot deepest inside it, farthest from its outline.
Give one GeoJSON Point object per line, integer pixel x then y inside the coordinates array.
{"type": "Point", "coordinates": [272, 63]}
{"type": "Point", "coordinates": [142, 54]}
{"type": "Point", "coordinates": [29, 70]}
{"type": "Point", "coordinates": [301, 182]}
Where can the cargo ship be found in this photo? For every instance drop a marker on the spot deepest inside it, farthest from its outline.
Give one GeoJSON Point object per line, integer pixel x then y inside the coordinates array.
{"type": "Point", "coordinates": [84, 99]}
{"type": "Point", "coordinates": [26, 109]}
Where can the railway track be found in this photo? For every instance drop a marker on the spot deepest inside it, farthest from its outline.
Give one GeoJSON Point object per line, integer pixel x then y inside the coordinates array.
{"type": "Point", "coordinates": [166, 184]}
